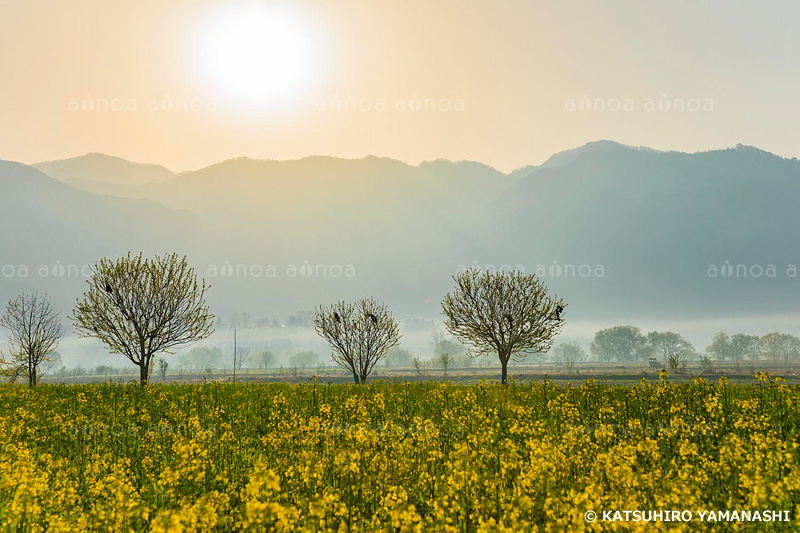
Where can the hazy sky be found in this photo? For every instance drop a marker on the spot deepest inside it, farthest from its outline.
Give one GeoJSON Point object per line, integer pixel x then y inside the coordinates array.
{"type": "Point", "coordinates": [503, 82]}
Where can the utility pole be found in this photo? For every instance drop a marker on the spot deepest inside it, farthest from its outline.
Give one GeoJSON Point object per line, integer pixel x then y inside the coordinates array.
{"type": "Point", "coordinates": [234, 355]}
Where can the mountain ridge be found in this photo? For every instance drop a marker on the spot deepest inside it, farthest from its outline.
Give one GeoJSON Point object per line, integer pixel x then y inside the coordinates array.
{"type": "Point", "coordinates": [96, 166]}
{"type": "Point", "coordinates": [653, 220]}
{"type": "Point", "coordinates": [556, 159]}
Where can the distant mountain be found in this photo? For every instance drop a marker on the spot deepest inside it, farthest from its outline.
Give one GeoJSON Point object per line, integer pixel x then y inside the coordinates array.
{"type": "Point", "coordinates": [523, 172]}
{"type": "Point", "coordinates": [93, 170]}
{"type": "Point", "coordinates": [622, 233]}
{"type": "Point", "coordinates": [568, 156]}
{"type": "Point", "coordinates": [662, 224]}
{"type": "Point", "coordinates": [51, 230]}
{"type": "Point", "coordinates": [394, 223]}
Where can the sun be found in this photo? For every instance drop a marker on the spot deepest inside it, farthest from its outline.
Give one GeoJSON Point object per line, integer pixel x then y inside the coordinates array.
{"type": "Point", "coordinates": [259, 54]}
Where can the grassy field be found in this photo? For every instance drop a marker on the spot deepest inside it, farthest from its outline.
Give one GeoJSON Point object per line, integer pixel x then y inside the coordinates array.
{"type": "Point", "coordinates": [421, 456]}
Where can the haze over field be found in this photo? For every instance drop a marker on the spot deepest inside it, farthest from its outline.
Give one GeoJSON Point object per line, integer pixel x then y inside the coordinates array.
{"type": "Point", "coordinates": [391, 147]}
{"type": "Point", "coordinates": [624, 234]}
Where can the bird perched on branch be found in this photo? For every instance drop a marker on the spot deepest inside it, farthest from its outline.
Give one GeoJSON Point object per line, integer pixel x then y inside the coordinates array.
{"type": "Point", "coordinates": [559, 310]}
{"type": "Point", "coordinates": [373, 318]}
{"type": "Point", "coordinates": [108, 288]}
{"type": "Point", "coordinates": [336, 317]}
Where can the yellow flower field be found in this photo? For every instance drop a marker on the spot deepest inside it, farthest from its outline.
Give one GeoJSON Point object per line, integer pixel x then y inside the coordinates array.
{"type": "Point", "coordinates": [396, 457]}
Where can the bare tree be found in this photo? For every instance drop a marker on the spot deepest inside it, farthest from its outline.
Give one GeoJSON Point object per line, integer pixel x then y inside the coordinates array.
{"type": "Point", "coordinates": [442, 344]}
{"type": "Point", "coordinates": [780, 347]}
{"type": "Point", "coordinates": [266, 358]}
{"type": "Point", "coordinates": [671, 346]}
{"type": "Point", "coordinates": [240, 357]}
{"type": "Point", "coordinates": [417, 365]}
{"type": "Point", "coordinates": [51, 365]}
{"type": "Point", "coordinates": [569, 353]}
{"type": "Point", "coordinates": [163, 365]}
{"type": "Point", "coordinates": [508, 313]}
{"type": "Point", "coordinates": [360, 334]}
{"type": "Point", "coordinates": [445, 359]}
{"type": "Point", "coordinates": [620, 343]}
{"type": "Point", "coordinates": [140, 307]}
{"type": "Point", "coordinates": [304, 359]}
{"type": "Point", "coordinates": [398, 357]}
{"type": "Point", "coordinates": [35, 330]}
{"type": "Point", "coordinates": [744, 347]}
{"type": "Point", "coordinates": [720, 346]}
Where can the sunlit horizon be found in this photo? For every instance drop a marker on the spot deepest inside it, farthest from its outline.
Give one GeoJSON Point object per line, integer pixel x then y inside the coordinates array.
{"type": "Point", "coordinates": [188, 84]}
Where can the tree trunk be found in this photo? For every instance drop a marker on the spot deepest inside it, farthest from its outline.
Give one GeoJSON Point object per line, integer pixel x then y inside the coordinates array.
{"type": "Point", "coordinates": [504, 364]}
{"type": "Point", "coordinates": [31, 369]}
{"type": "Point", "coordinates": [143, 371]}
{"type": "Point", "coordinates": [355, 378]}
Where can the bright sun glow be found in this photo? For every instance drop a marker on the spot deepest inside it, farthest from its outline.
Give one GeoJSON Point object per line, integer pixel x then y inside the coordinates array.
{"type": "Point", "coordinates": [259, 54]}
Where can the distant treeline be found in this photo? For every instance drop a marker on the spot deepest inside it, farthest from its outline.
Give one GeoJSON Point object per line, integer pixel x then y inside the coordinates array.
{"type": "Point", "coordinates": [628, 344]}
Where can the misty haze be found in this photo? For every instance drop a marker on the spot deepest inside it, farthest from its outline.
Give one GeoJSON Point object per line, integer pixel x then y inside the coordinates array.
{"type": "Point", "coordinates": [690, 242]}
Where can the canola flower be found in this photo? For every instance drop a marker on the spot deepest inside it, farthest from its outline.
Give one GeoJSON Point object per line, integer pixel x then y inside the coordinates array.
{"type": "Point", "coordinates": [395, 456]}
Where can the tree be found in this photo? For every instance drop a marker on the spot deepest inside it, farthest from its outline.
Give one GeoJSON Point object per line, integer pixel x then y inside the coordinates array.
{"type": "Point", "coordinates": [445, 359]}
{"type": "Point", "coordinates": [780, 347]}
{"type": "Point", "coordinates": [744, 347]}
{"type": "Point", "coordinates": [163, 365]}
{"type": "Point", "coordinates": [620, 343]}
{"type": "Point", "coordinates": [445, 350]}
{"type": "Point", "coordinates": [444, 345]}
{"type": "Point", "coordinates": [671, 346]}
{"type": "Point", "coordinates": [34, 332]}
{"type": "Point", "coordinates": [398, 357]}
{"type": "Point", "coordinates": [359, 333]}
{"type": "Point", "coordinates": [240, 357]}
{"type": "Point", "coordinates": [104, 370]}
{"type": "Point", "coordinates": [464, 360]}
{"type": "Point", "coordinates": [202, 357]}
{"type": "Point", "coordinates": [706, 364]}
{"type": "Point", "coordinates": [51, 364]}
{"type": "Point", "coordinates": [140, 307]}
{"type": "Point", "coordinates": [265, 359]}
{"type": "Point", "coordinates": [417, 365]}
{"type": "Point", "coordinates": [569, 353]}
{"type": "Point", "coordinates": [508, 313]}
{"type": "Point", "coordinates": [303, 319]}
{"type": "Point", "coordinates": [305, 359]}
{"type": "Point", "coordinates": [720, 346]}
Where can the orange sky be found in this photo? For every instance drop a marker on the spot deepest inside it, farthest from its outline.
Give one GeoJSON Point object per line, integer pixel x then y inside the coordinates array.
{"type": "Point", "coordinates": [504, 82]}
